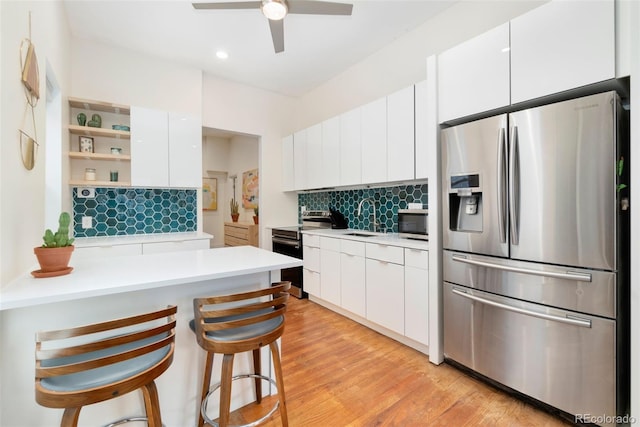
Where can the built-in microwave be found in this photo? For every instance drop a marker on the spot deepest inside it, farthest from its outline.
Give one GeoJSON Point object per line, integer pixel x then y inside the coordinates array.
{"type": "Point", "coordinates": [413, 223]}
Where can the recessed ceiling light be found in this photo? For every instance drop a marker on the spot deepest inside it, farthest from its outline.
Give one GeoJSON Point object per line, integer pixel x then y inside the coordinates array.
{"type": "Point", "coordinates": [221, 54]}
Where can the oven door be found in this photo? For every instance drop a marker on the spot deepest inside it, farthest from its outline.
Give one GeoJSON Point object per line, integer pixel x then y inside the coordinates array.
{"type": "Point", "coordinates": [292, 248]}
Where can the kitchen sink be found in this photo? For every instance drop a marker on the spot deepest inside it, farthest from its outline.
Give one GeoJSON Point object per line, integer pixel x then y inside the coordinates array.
{"type": "Point", "coordinates": [360, 234]}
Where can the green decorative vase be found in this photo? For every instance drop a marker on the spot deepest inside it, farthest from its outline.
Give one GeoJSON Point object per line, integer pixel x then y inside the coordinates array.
{"type": "Point", "coordinates": [82, 119]}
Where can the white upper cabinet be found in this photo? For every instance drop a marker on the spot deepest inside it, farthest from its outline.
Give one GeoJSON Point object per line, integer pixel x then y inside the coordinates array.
{"type": "Point", "coordinates": [421, 131]}
{"type": "Point", "coordinates": [374, 141]}
{"type": "Point", "coordinates": [331, 152]}
{"type": "Point", "coordinates": [314, 156]}
{"type": "Point", "coordinates": [185, 150]}
{"type": "Point", "coordinates": [400, 135]}
{"type": "Point", "coordinates": [300, 159]}
{"type": "Point", "coordinates": [562, 45]}
{"type": "Point", "coordinates": [166, 149]}
{"type": "Point", "coordinates": [350, 147]}
{"type": "Point", "coordinates": [149, 148]}
{"type": "Point", "coordinates": [474, 76]}
{"type": "Point", "coordinates": [287, 164]}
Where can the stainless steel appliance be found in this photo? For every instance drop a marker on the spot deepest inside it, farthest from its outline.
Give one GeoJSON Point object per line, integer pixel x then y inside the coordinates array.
{"type": "Point", "coordinates": [534, 296]}
{"type": "Point", "coordinates": [413, 223]}
{"type": "Point", "coordinates": [288, 241]}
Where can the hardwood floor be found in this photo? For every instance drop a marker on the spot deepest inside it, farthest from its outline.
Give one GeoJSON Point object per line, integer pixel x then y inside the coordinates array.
{"type": "Point", "coordinates": [339, 373]}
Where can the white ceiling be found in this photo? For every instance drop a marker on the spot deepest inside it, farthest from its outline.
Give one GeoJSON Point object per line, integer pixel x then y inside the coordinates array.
{"type": "Point", "coordinates": [317, 48]}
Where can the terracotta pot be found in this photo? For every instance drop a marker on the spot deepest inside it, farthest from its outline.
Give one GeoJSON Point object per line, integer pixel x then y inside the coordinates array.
{"type": "Point", "coordinates": [53, 259]}
{"type": "Point", "coordinates": [234, 217]}
{"type": "Point", "coordinates": [255, 219]}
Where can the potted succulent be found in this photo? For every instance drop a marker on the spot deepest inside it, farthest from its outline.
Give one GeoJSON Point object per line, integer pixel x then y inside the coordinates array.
{"type": "Point", "coordinates": [234, 210]}
{"type": "Point", "coordinates": [55, 253]}
{"type": "Point", "coordinates": [255, 217]}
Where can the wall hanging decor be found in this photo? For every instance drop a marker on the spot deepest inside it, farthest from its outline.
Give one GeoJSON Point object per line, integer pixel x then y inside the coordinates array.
{"type": "Point", "coordinates": [250, 189]}
{"type": "Point", "coordinates": [210, 194]}
{"type": "Point", "coordinates": [30, 78]}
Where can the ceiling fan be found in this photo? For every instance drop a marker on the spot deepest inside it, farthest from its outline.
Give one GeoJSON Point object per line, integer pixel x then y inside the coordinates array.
{"type": "Point", "coordinates": [276, 10]}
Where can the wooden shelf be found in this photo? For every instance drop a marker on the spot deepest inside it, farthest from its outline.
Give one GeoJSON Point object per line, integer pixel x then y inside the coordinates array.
{"type": "Point", "coordinates": [109, 133]}
{"type": "Point", "coordinates": [83, 183]}
{"type": "Point", "coordinates": [99, 156]}
{"type": "Point", "coordinates": [99, 106]}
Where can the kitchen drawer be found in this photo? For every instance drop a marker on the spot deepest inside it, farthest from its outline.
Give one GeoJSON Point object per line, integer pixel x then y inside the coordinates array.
{"type": "Point", "coordinates": [177, 246]}
{"type": "Point", "coordinates": [107, 251]}
{"type": "Point", "coordinates": [416, 258]}
{"type": "Point", "coordinates": [311, 258]}
{"type": "Point", "coordinates": [309, 240]}
{"type": "Point", "coordinates": [352, 248]}
{"type": "Point", "coordinates": [393, 254]}
{"type": "Point", "coordinates": [330, 244]}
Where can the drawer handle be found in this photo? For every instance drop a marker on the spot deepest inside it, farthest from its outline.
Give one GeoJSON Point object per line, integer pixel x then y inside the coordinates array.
{"type": "Point", "coordinates": [571, 320]}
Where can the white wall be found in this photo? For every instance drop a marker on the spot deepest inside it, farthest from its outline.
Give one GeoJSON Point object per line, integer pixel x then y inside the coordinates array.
{"type": "Point", "coordinates": [243, 157]}
{"type": "Point", "coordinates": [215, 157]}
{"type": "Point", "coordinates": [267, 115]}
{"type": "Point", "coordinates": [101, 72]}
{"type": "Point", "coordinates": [22, 202]}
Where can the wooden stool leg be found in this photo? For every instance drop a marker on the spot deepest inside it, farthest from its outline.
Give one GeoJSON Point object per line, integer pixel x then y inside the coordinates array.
{"type": "Point", "coordinates": [225, 389]}
{"type": "Point", "coordinates": [206, 383]}
{"type": "Point", "coordinates": [152, 404]}
{"type": "Point", "coordinates": [70, 417]}
{"type": "Point", "coordinates": [275, 353]}
{"type": "Point", "coordinates": [256, 370]}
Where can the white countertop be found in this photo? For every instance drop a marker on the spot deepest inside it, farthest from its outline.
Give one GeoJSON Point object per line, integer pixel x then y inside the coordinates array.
{"type": "Point", "coordinates": [95, 277]}
{"type": "Point", "coordinates": [82, 242]}
{"type": "Point", "coordinates": [391, 239]}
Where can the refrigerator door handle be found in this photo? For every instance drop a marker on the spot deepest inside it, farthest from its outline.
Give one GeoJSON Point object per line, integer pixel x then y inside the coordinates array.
{"type": "Point", "coordinates": [514, 186]}
{"type": "Point", "coordinates": [571, 320]}
{"type": "Point", "coordinates": [568, 275]}
{"type": "Point", "coordinates": [502, 196]}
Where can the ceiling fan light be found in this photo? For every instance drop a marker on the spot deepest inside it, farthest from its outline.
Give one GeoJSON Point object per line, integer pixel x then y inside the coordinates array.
{"type": "Point", "coordinates": [274, 9]}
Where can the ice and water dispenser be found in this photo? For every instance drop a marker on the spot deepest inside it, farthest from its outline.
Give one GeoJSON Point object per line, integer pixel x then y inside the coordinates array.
{"type": "Point", "coordinates": [465, 203]}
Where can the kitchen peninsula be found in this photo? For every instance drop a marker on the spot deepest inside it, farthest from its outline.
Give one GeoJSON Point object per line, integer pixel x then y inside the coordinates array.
{"type": "Point", "coordinates": [99, 289]}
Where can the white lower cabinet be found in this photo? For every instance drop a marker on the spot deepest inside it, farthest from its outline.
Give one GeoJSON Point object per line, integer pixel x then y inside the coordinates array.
{"type": "Point", "coordinates": [107, 251]}
{"type": "Point", "coordinates": [330, 276]}
{"type": "Point", "coordinates": [353, 277]}
{"type": "Point", "coordinates": [311, 280]}
{"type": "Point", "coordinates": [387, 285]}
{"type": "Point", "coordinates": [177, 246]}
{"type": "Point", "coordinates": [416, 295]}
{"type": "Point", "coordinates": [311, 264]}
{"type": "Point", "coordinates": [385, 294]}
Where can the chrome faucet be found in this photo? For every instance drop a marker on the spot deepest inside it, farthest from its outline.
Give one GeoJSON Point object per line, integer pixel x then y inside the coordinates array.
{"type": "Point", "coordinates": [373, 205]}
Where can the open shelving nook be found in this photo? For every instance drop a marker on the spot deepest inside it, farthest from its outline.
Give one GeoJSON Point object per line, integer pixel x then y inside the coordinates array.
{"type": "Point", "coordinates": [104, 139]}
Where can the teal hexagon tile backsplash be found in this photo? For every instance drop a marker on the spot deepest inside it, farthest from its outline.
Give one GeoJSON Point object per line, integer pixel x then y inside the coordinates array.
{"type": "Point", "coordinates": [122, 211]}
{"type": "Point", "coordinates": [387, 202]}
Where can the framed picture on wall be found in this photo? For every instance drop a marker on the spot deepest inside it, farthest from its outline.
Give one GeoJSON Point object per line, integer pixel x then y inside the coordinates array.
{"type": "Point", "coordinates": [210, 194]}
{"type": "Point", "coordinates": [86, 144]}
{"type": "Point", "coordinates": [250, 189]}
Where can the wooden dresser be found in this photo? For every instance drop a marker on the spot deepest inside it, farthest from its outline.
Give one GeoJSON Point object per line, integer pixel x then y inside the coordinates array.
{"type": "Point", "coordinates": [240, 233]}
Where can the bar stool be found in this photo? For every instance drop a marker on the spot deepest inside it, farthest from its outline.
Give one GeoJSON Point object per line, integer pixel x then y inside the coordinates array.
{"type": "Point", "coordinates": [93, 363]}
{"type": "Point", "coordinates": [238, 323]}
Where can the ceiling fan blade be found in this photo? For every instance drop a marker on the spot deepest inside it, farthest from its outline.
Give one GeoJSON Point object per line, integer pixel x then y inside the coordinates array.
{"type": "Point", "coordinates": [277, 34]}
{"type": "Point", "coordinates": [229, 5]}
{"type": "Point", "coordinates": [319, 7]}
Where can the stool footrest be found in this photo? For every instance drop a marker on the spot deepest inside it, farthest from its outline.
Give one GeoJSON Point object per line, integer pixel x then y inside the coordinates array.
{"type": "Point", "coordinates": [128, 420]}
{"type": "Point", "coordinates": [209, 421]}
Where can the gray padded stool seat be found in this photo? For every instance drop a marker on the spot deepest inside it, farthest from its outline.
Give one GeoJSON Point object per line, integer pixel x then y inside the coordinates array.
{"type": "Point", "coordinates": [237, 323]}
{"type": "Point", "coordinates": [92, 369]}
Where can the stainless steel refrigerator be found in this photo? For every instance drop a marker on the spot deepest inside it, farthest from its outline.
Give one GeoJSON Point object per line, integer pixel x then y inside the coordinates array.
{"type": "Point", "coordinates": [535, 217]}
